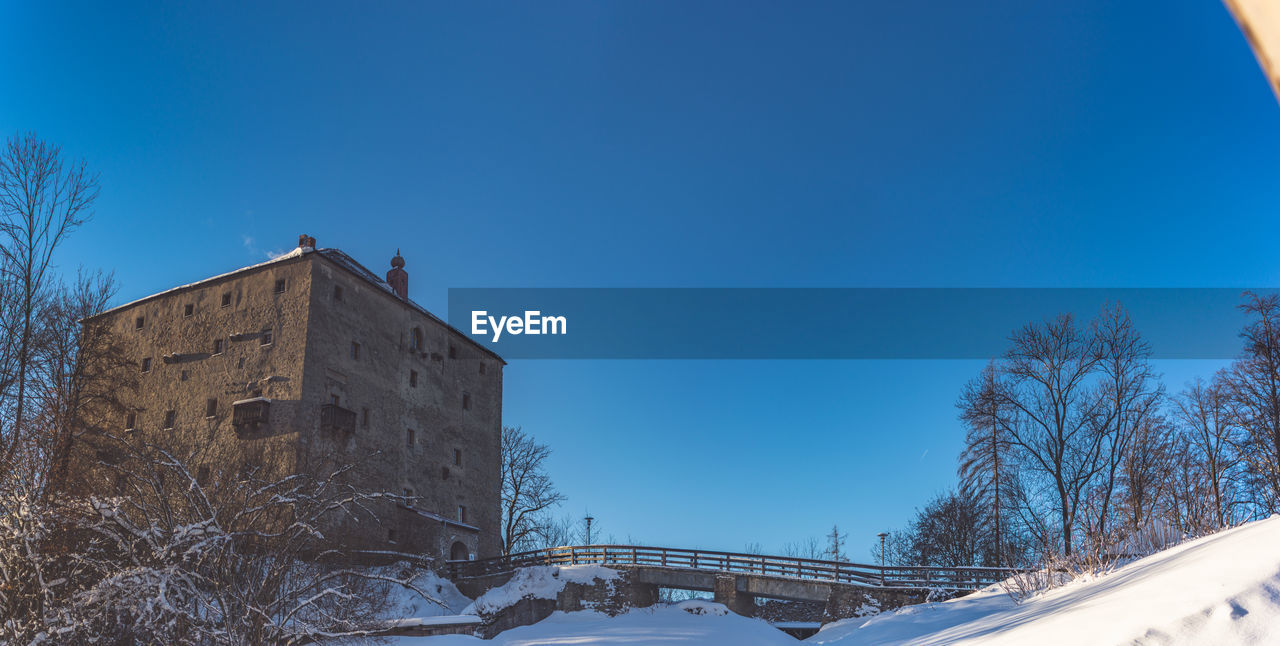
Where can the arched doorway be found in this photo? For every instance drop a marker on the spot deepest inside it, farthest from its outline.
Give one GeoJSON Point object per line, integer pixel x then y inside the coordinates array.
{"type": "Point", "coordinates": [458, 552]}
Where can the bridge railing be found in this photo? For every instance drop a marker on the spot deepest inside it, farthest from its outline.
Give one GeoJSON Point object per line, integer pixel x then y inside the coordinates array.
{"type": "Point", "coordinates": [958, 578]}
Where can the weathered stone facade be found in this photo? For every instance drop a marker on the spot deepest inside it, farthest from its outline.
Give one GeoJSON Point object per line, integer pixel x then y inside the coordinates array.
{"type": "Point", "coordinates": [311, 360]}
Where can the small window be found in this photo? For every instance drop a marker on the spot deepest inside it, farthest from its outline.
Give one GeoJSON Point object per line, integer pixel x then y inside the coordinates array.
{"type": "Point", "coordinates": [457, 457]}
{"type": "Point", "coordinates": [453, 352]}
{"type": "Point", "coordinates": [130, 421]}
{"type": "Point", "coordinates": [355, 351]}
{"type": "Point", "coordinates": [466, 401]}
{"type": "Point", "coordinates": [391, 535]}
{"type": "Point", "coordinates": [408, 493]}
{"type": "Point", "coordinates": [415, 340]}
{"type": "Point", "coordinates": [280, 286]}
{"type": "Point", "coordinates": [266, 337]}
{"type": "Point", "coordinates": [364, 418]}
{"type": "Point", "coordinates": [169, 418]}
{"type": "Point", "coordinates": [333, 399]}
{"type": "Point", "coordinates": [337, 292]}
{"type": "Point", "coordinates": [226, 299]}
{"type": "Point", "coordinates": [188, 310]}
{"type": "Point", "coordinates": [444, 473]}
{"type": "Point", "coordinates": [462, 513]}
{"type": "Point", "coordinates": [413, 378]}
{"type": "Point", "coordinates": [409, 439]}
{"type": "Point", "coordinates": [146, 364]}
{"type": "Point", "coordinates": [139, 322]}
{"type": "Point", "coordinates": [217, 346]}
{"type": "Point", "coordinates": [210, 407]}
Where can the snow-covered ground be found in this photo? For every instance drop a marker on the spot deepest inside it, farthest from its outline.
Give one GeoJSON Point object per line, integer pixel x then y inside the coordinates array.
{"type": "Point", "coordinates": [689, 623]}
{"type": "Point", "coordinates": [1221, 589]}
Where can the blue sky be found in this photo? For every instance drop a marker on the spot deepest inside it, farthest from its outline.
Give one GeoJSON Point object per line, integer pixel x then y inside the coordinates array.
{"type": "Point", "coordinates": [656, 144]}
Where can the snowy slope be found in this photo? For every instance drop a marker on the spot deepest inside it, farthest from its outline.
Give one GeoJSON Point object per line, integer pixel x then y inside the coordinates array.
{"type": "Point", "coordinates": [1221, 589]}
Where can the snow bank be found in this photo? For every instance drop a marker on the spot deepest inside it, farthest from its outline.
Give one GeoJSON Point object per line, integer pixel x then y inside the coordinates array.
{"type": "Point", "coordinates": [539, 582]}
{"type": "Point", "coordinates": [407, 607]}
{"type": "Point", "coordinates": [1221, 589]}
{"type": "Point", "coordinates": [667, 625]}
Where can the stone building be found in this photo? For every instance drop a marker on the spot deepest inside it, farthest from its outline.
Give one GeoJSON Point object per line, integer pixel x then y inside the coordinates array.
{"type": "Point", "coordinates": [311, 359]}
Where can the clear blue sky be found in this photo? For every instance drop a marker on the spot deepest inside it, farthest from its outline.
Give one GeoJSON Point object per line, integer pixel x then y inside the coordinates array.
{"type": "Point", "coordinates": [1015, 143]}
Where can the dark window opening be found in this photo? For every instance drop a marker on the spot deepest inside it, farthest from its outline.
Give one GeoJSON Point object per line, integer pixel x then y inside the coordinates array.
{"type": "Point", "coordinates": [466, 401]}
{"type": "Point", "coordinates": [355, 350]}
{"type": "Point", "coordinates": [333, 399]}
{"type": "Point", "coordinates": [453, 352]}
{"type": "Point", "coordinates": [457, 457]}
{"type": "Point", "coordinates": [280, 286]}
{"type": "Point", "coordinates": [266, 337]}
{"type": "Point", "coordinates": [462, 514]}
{"type": "Point", "coordinates": [226, 299]}
{"type": "Point", "coordinates": [139, 322]}
{"type": "Point", "coordinates": [335, 418]}
{"type": "Point", "coordinates": [364, 418]}
{"type": "Point", "coordinates": [188, 310]}
{"type": "Point", "coordinates": [391, 535]}
{"type": "Point", "coordinates": [217, 346]}
{"type": "Point", "coordinates": [408, 493]}
{"type": "Point", "coordinates": [130, 421]}
{"type": "Point", "coordinates": [210, 407]}
{"type": "Point", "coordinates": [409, 437]}
{"type": "Point", "coordinates": [444, 473]}
{"type": "Point", "coordinates": [169, 418]}
{"type": "Point", "coordinates": [337, 292]}
{"type": "Point", "coordinates": [146, 364]}
{"type": "Point", "coordinates": [413, 378]}
{"type": "Point", "coordinates": [415, 340]}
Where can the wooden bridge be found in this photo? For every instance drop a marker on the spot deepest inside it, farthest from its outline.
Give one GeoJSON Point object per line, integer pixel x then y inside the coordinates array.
{"type": "Point", "coordinates": [841, 572]}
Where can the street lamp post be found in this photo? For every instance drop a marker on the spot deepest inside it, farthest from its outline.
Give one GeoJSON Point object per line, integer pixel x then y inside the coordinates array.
{"type": "Point", "coordinates": [882, 536]}
{"type": "Point", "coordinates": [588, 519]}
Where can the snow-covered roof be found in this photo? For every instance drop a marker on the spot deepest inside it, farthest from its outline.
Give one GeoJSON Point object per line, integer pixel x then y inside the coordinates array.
{"type": "Point", "coordinates": [335, 256]}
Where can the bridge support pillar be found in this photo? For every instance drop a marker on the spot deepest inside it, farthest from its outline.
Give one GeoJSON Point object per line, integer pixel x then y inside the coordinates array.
{"type": "Point", "coordinates": [844, 602]}
{"type": "Point", "coordinates": [726, 592]}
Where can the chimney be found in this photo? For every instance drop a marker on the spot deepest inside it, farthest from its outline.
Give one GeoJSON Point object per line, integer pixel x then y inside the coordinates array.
{"type": "Point", "coordinates": [398, 278]}
{"type": "Point", "coordinates": [305, 241]}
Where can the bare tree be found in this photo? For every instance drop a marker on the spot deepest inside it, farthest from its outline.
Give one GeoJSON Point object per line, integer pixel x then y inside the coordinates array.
{"type": "Point", "coordinates": [527, 491]}
{"type": "Point", "coordinates": [177, 558]}
{"type": "Point", "coordinates": [1253, 382]}
{"type": "Point", "coordinates": [43, 198]}
{"type": "Point", "coordinates": [1048, 370]}
{"type": "Point", "coordinates": [948, 531]}
{"type": "Point", "coordinates": [835, 545]}
{"type": "Point", "coordinates": [808, 548]}
{"type": "Point", "coordinates": [1204, 413]}
{"type": "Point", "coordinates": [1130, 398]}
{"type": "Point", "coordinates": [983, 461]}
